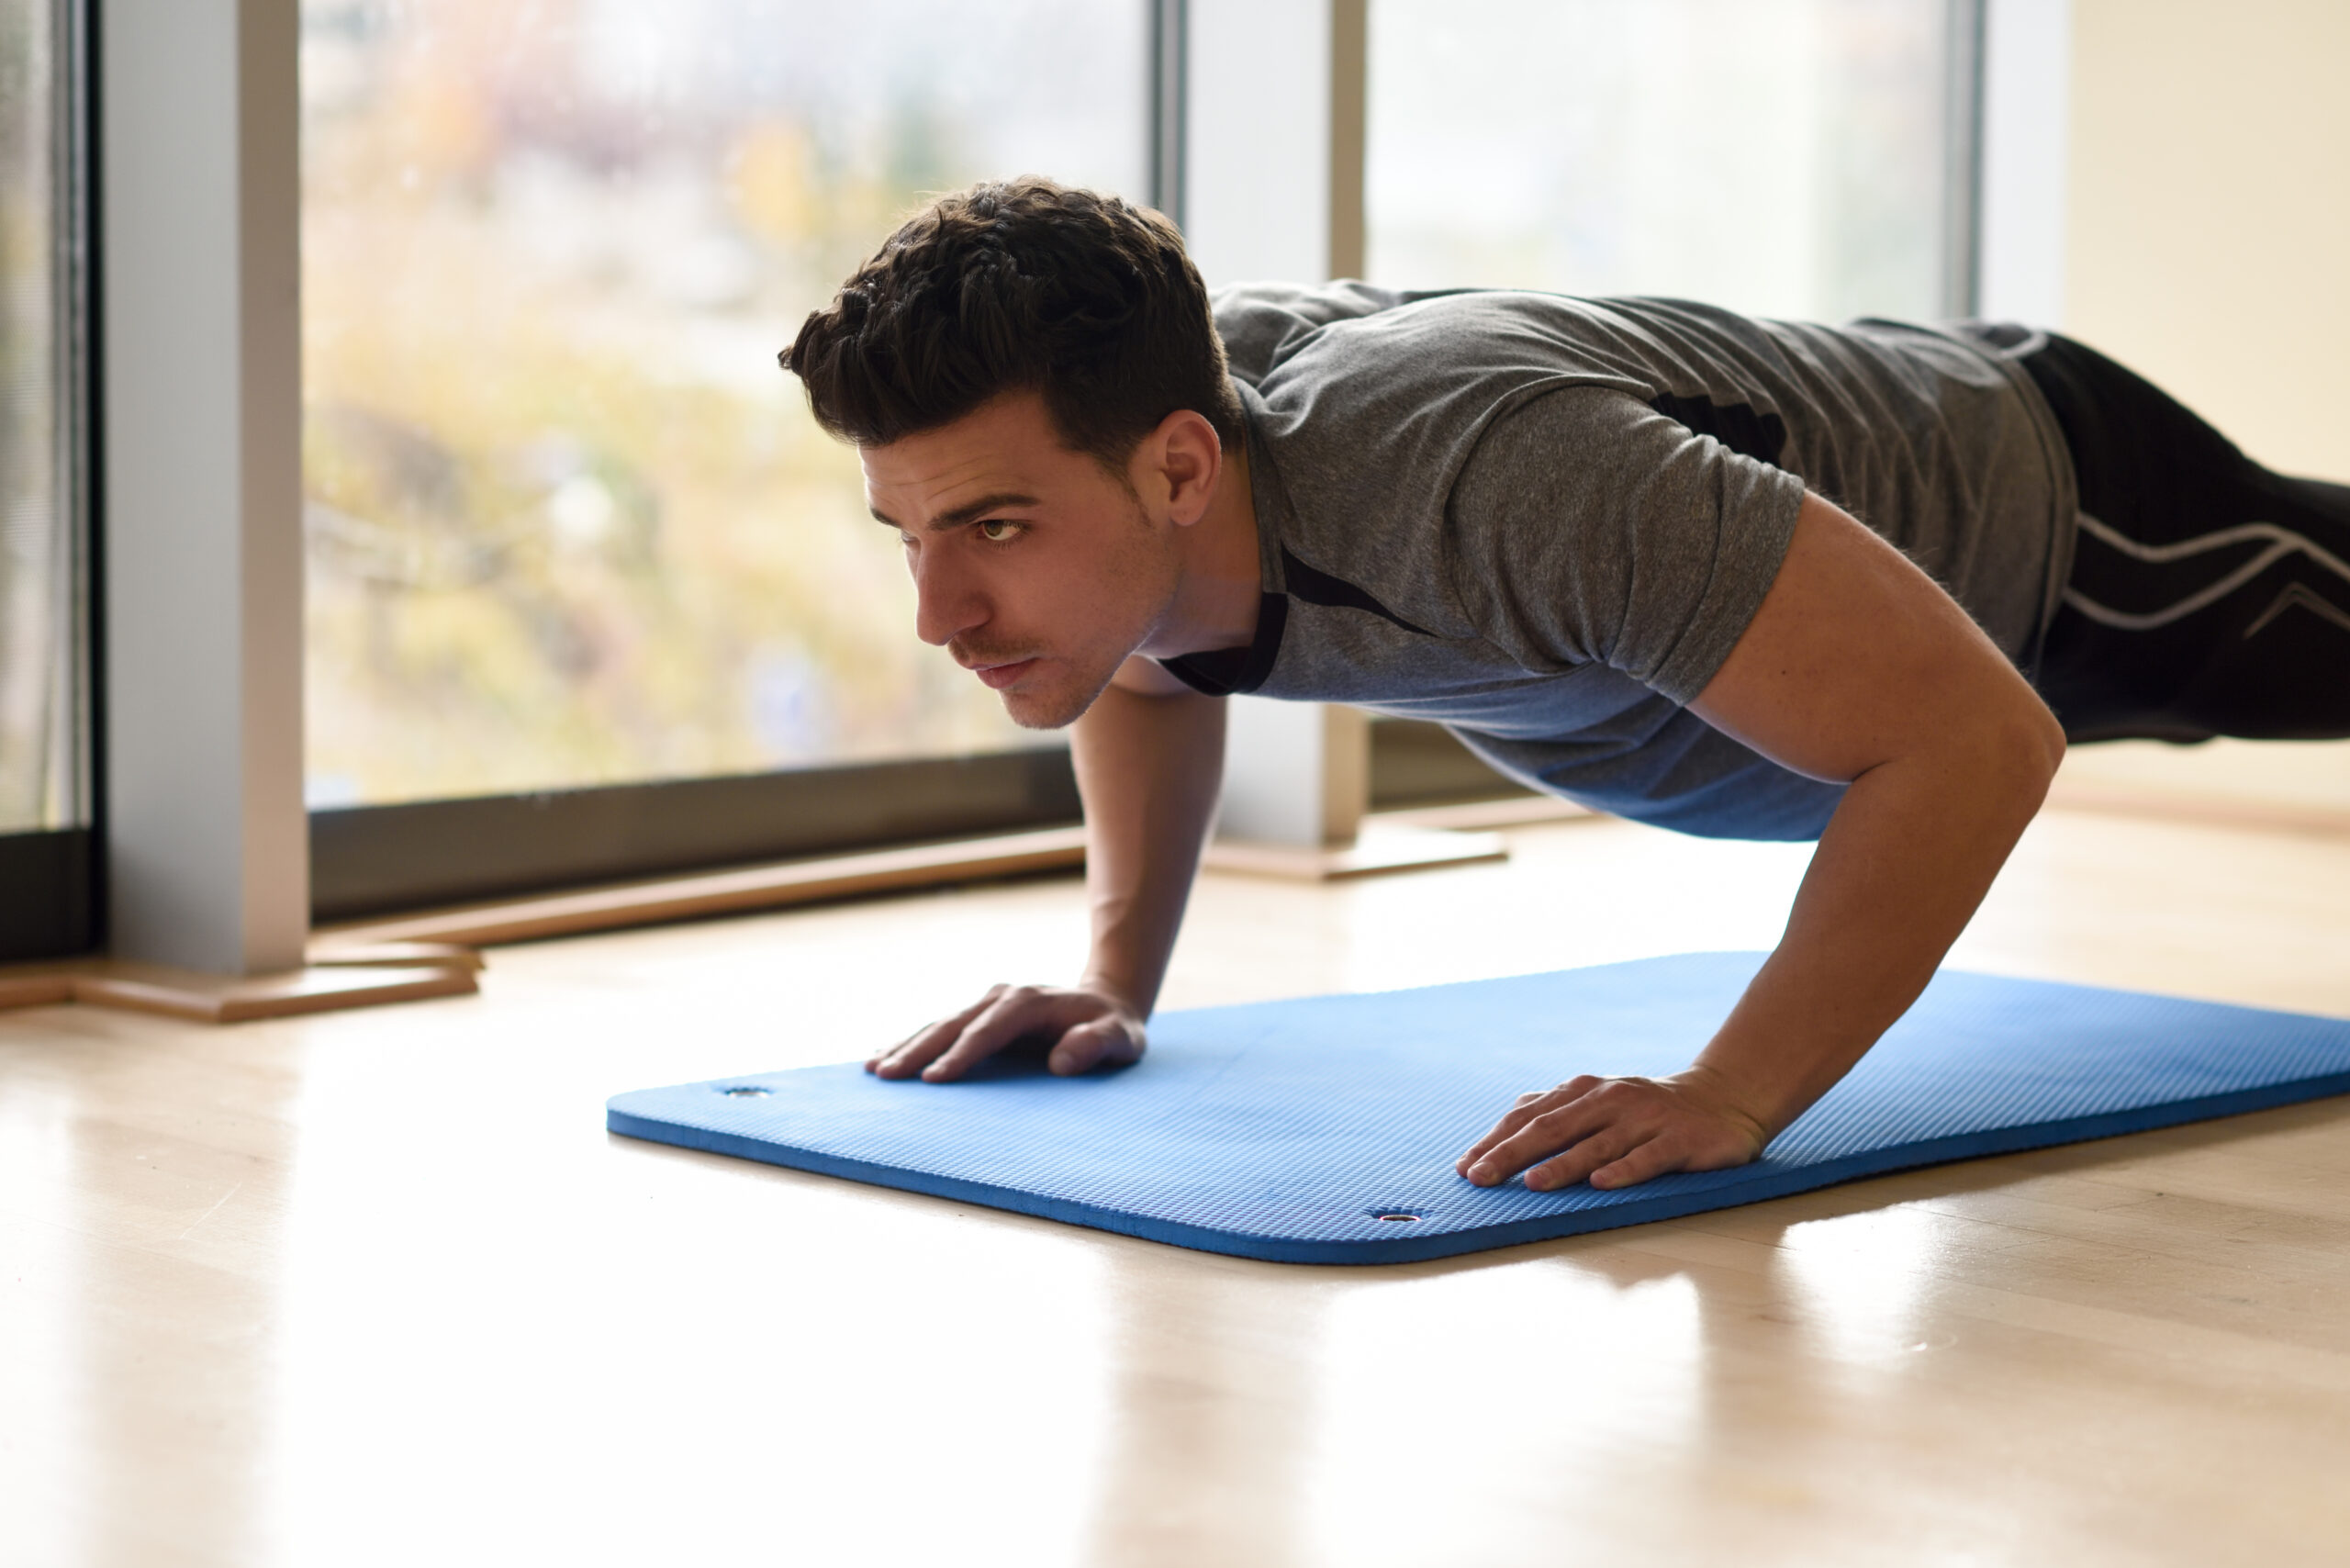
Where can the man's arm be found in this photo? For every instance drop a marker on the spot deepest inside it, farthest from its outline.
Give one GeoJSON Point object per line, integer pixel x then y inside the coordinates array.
{"type": "Point", "coordinates": [1856, 669]}
{"type": "Point", "coordinates": [1149, 756]}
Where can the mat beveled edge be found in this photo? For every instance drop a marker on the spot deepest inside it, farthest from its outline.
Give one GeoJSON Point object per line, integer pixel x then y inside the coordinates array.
{"type": "Point", "coordinates": [1765, 1182]}
{"type": "Point", "coordinates": [1703, 957]}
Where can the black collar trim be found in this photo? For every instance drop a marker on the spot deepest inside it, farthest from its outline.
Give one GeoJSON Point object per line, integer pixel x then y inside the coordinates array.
{"type": "Point", "coordinates": [1318, 587]}
{"type": "Point", "coordinates": [1227, 672]}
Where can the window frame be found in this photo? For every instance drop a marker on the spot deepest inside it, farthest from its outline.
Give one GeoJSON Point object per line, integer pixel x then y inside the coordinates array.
{"type": "Point", "coordinates": [376, 860]}
{"type": "Point", "coordinates": [54, 876]}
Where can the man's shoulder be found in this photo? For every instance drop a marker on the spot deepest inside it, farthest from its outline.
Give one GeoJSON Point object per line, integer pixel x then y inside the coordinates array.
{"type": "Point", "coordinates": [1264, 323]}
{"type": "Point", "coordinates": [1325, 344]}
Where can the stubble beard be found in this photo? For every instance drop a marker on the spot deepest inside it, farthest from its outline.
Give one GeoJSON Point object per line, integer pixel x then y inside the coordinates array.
{"type": "Point", "coordinates": [1055, 710]}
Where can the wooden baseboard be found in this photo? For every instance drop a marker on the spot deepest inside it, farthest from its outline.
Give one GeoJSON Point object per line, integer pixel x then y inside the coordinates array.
{"type": "Point", "coordinates": [1379, 848]}
{"type": "Point", "coordinates": [211, 999]}
{"type": "Point", "coordinates": [232, 999]}
{"type": "Point", "coordinates": [710, 893]}
{"type": "Point", "coordinates": [35, 986]}
{"type": "Point", "coordinates": [329, 952]}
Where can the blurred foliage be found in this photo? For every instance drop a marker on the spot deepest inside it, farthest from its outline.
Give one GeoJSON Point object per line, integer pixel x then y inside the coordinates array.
{"type": "Point", "coordinates": [38, 619]}
{"type": "Point", "coordinates": [568, 521]}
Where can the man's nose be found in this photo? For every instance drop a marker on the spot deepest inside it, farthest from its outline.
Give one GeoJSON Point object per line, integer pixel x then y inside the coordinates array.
{"type": "Point", "coordinates": [946, 603]}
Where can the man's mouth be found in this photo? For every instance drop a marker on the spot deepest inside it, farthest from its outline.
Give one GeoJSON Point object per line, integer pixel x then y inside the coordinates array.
{"type": "Point", "coordinates": [998, 677]}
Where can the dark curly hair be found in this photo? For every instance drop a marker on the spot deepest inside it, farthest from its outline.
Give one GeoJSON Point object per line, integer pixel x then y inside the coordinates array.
{"type": "Point", "coordinates": [1020, 284]}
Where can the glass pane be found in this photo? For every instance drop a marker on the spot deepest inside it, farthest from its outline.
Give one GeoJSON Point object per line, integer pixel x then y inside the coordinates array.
{"type": "Point", "coordinates": [1782, 157]}
{"type": "Point", "coordinates": [568, 521]}
{"type": "Point", "coordinates": [40, 620]}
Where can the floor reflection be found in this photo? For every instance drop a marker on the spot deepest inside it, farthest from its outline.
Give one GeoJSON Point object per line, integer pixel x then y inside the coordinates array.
{"type": "Point", "coordinates": [1857, 1280]}
{"type": "Point", "coordinates": [142, 1244]}
{"type": "Point", "coordinates": [1276, 1416]}
{"type": "Point", "coordinates": [1496, 1388]}
{"type": "Point", "coordinates": [45, 1453]}
{"type": "Point", "coordinates": [1218, 1380]}
{"type": "Point", "coordinates": [583, 1349]}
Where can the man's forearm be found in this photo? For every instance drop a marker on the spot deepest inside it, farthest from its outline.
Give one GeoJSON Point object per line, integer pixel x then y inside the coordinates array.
{"type": "Point", "coordinates": [1908, 857]}
{"type": "Point", "coordinates": [1149, 768]}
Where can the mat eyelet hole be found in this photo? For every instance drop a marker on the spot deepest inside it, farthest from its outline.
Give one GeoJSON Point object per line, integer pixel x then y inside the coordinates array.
{"type": "Point", "coordinates": [1397, 1215]}
{"type": "Point", "coordinates": [746, 1092]}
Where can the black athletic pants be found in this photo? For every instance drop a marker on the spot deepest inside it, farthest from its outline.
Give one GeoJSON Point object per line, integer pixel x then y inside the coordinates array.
{"type": "Point", "coordinates": [2208, 596]}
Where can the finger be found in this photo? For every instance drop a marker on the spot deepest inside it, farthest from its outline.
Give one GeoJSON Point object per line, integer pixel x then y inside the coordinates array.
{"type": "Point", "coordinates": [937, 1030]}
{"type": "Point", "coordinates": [1656, 1157]}
{"type": "Point", "coordinates": [1527, 1108]}
{"type": "Point", "coordinates": [1601, 1149]}
{"type": "Point", "coordinates": [1511, 1126]}
{"type": "Point", "coordinates": [1606, 1102]}
{"type": "Point", "coordinates": [1676, 1148]}
{"type": "Point", "coordinates": [1541, 1139]}
{"type": "Point", "coordinates": [1097, 1042]}
{"type": "Point", "coordinates": [978, 1039]}
{"type": "Point", "coordinates": [913, 1054]}
{"type": "Point", "coordinates": [910, 1055]}
{"type": "Point", "coordinates": [1022, 1010]}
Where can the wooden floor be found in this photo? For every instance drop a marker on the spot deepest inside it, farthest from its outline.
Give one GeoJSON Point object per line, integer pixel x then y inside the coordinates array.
{"type": "Point", "coordinates": [377, 1288]}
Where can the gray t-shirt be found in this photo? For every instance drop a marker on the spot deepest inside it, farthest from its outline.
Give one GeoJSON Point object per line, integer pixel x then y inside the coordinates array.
{"type": "Point", "coordinates": [1544, 521]}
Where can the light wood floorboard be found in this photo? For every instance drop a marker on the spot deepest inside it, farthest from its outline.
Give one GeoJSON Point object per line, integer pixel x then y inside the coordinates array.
{"type": "Point", "coordinates": [377, 1288]}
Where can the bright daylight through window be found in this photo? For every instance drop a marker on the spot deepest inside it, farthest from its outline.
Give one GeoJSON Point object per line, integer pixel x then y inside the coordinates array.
{"type": "Point", "coordinates": [40, 632]}
{"type": "Point", "coordinates": [568, 523]}
{"type": "Point", "coordinates": [1781, 157]}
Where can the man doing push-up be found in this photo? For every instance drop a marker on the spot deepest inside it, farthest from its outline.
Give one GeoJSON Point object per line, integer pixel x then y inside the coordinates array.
{"type": "Point", "coordinates": [1742, 578]}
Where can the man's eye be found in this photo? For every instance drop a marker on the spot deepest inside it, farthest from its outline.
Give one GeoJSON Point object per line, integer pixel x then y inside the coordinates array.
{"type": "Point", "coordinates": [999, 530]}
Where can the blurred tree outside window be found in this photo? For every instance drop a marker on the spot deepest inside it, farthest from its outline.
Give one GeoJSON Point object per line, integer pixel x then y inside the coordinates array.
{"type": "Point", "coordinates": [568, 523]}
{"type": "Point", "coordinates": [41, 591]}
{"type": "Point", "coordinates": [1781, 157]}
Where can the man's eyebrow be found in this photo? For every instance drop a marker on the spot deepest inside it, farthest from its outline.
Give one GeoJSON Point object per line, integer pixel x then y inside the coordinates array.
{"type": "Point", "coordinates": [968, 512]}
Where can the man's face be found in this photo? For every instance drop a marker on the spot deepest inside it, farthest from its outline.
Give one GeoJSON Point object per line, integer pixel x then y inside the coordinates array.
{"type": "Point", "coordinates": [1033, 565]}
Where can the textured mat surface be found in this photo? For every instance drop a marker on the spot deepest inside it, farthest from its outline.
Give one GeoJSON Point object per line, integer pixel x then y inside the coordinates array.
{"type": "Point", "coordinates": [1324, 1130]}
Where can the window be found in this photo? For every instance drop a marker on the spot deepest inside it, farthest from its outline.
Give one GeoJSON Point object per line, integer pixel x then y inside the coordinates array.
{"type": "Point", "coordinates": [40, 630]}
{"type": "Point", "coordinates": [44, 812]}
{"type": "Point", "coordinates": [1801, 158]}
{"type": "Point", "coordinates": [568, 523]}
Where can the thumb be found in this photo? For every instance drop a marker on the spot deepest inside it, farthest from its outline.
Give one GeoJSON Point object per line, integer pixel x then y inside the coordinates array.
{"type": "Point", "coordinates": [1089, 1044]}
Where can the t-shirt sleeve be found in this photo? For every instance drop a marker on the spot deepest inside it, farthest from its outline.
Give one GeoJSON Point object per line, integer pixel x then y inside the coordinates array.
{"type": "Point", "coordinates": [1586, 526]}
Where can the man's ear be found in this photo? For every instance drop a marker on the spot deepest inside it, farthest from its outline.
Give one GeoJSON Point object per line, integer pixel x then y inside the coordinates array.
{"type": "Point", "coordinates": [1185, 456]}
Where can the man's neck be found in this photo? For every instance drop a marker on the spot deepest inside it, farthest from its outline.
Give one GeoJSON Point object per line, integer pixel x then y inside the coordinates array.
{"type": "Point", "coordinates": [1215, 606]}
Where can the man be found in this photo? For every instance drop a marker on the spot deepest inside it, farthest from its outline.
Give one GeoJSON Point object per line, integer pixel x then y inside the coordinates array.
{"type": "Point", "coordinates": [1742, 578]}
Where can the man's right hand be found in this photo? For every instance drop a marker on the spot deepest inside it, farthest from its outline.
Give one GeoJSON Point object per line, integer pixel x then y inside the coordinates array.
{"type": "Point", "coordinates": [1149, 754]}
{"type": "Point", "coordinates": [1088, 1028]}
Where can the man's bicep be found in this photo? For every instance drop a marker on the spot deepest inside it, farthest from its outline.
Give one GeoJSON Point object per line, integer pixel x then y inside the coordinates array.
{"type": "Point", "coordinates": [1856, 656]}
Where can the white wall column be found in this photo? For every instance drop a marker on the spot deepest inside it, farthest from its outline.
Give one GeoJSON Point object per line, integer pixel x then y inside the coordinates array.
{"type": "Point", "coordinates": [199, 171]}
{"type": "Point", "coordinates": [1273, 190]}
{"type": "Point", "coordinates": [1295, 773]}
{"type": "Point", "coordinates": [2027, 116]}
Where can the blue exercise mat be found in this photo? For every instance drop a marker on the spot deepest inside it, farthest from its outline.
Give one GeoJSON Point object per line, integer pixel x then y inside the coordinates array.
{"type": "Point", "coordinates": [1325, 1130]}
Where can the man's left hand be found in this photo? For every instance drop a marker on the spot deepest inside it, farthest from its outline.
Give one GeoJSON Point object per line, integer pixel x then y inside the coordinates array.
{"type": "Point", "coordinates": [1614, 1131]}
